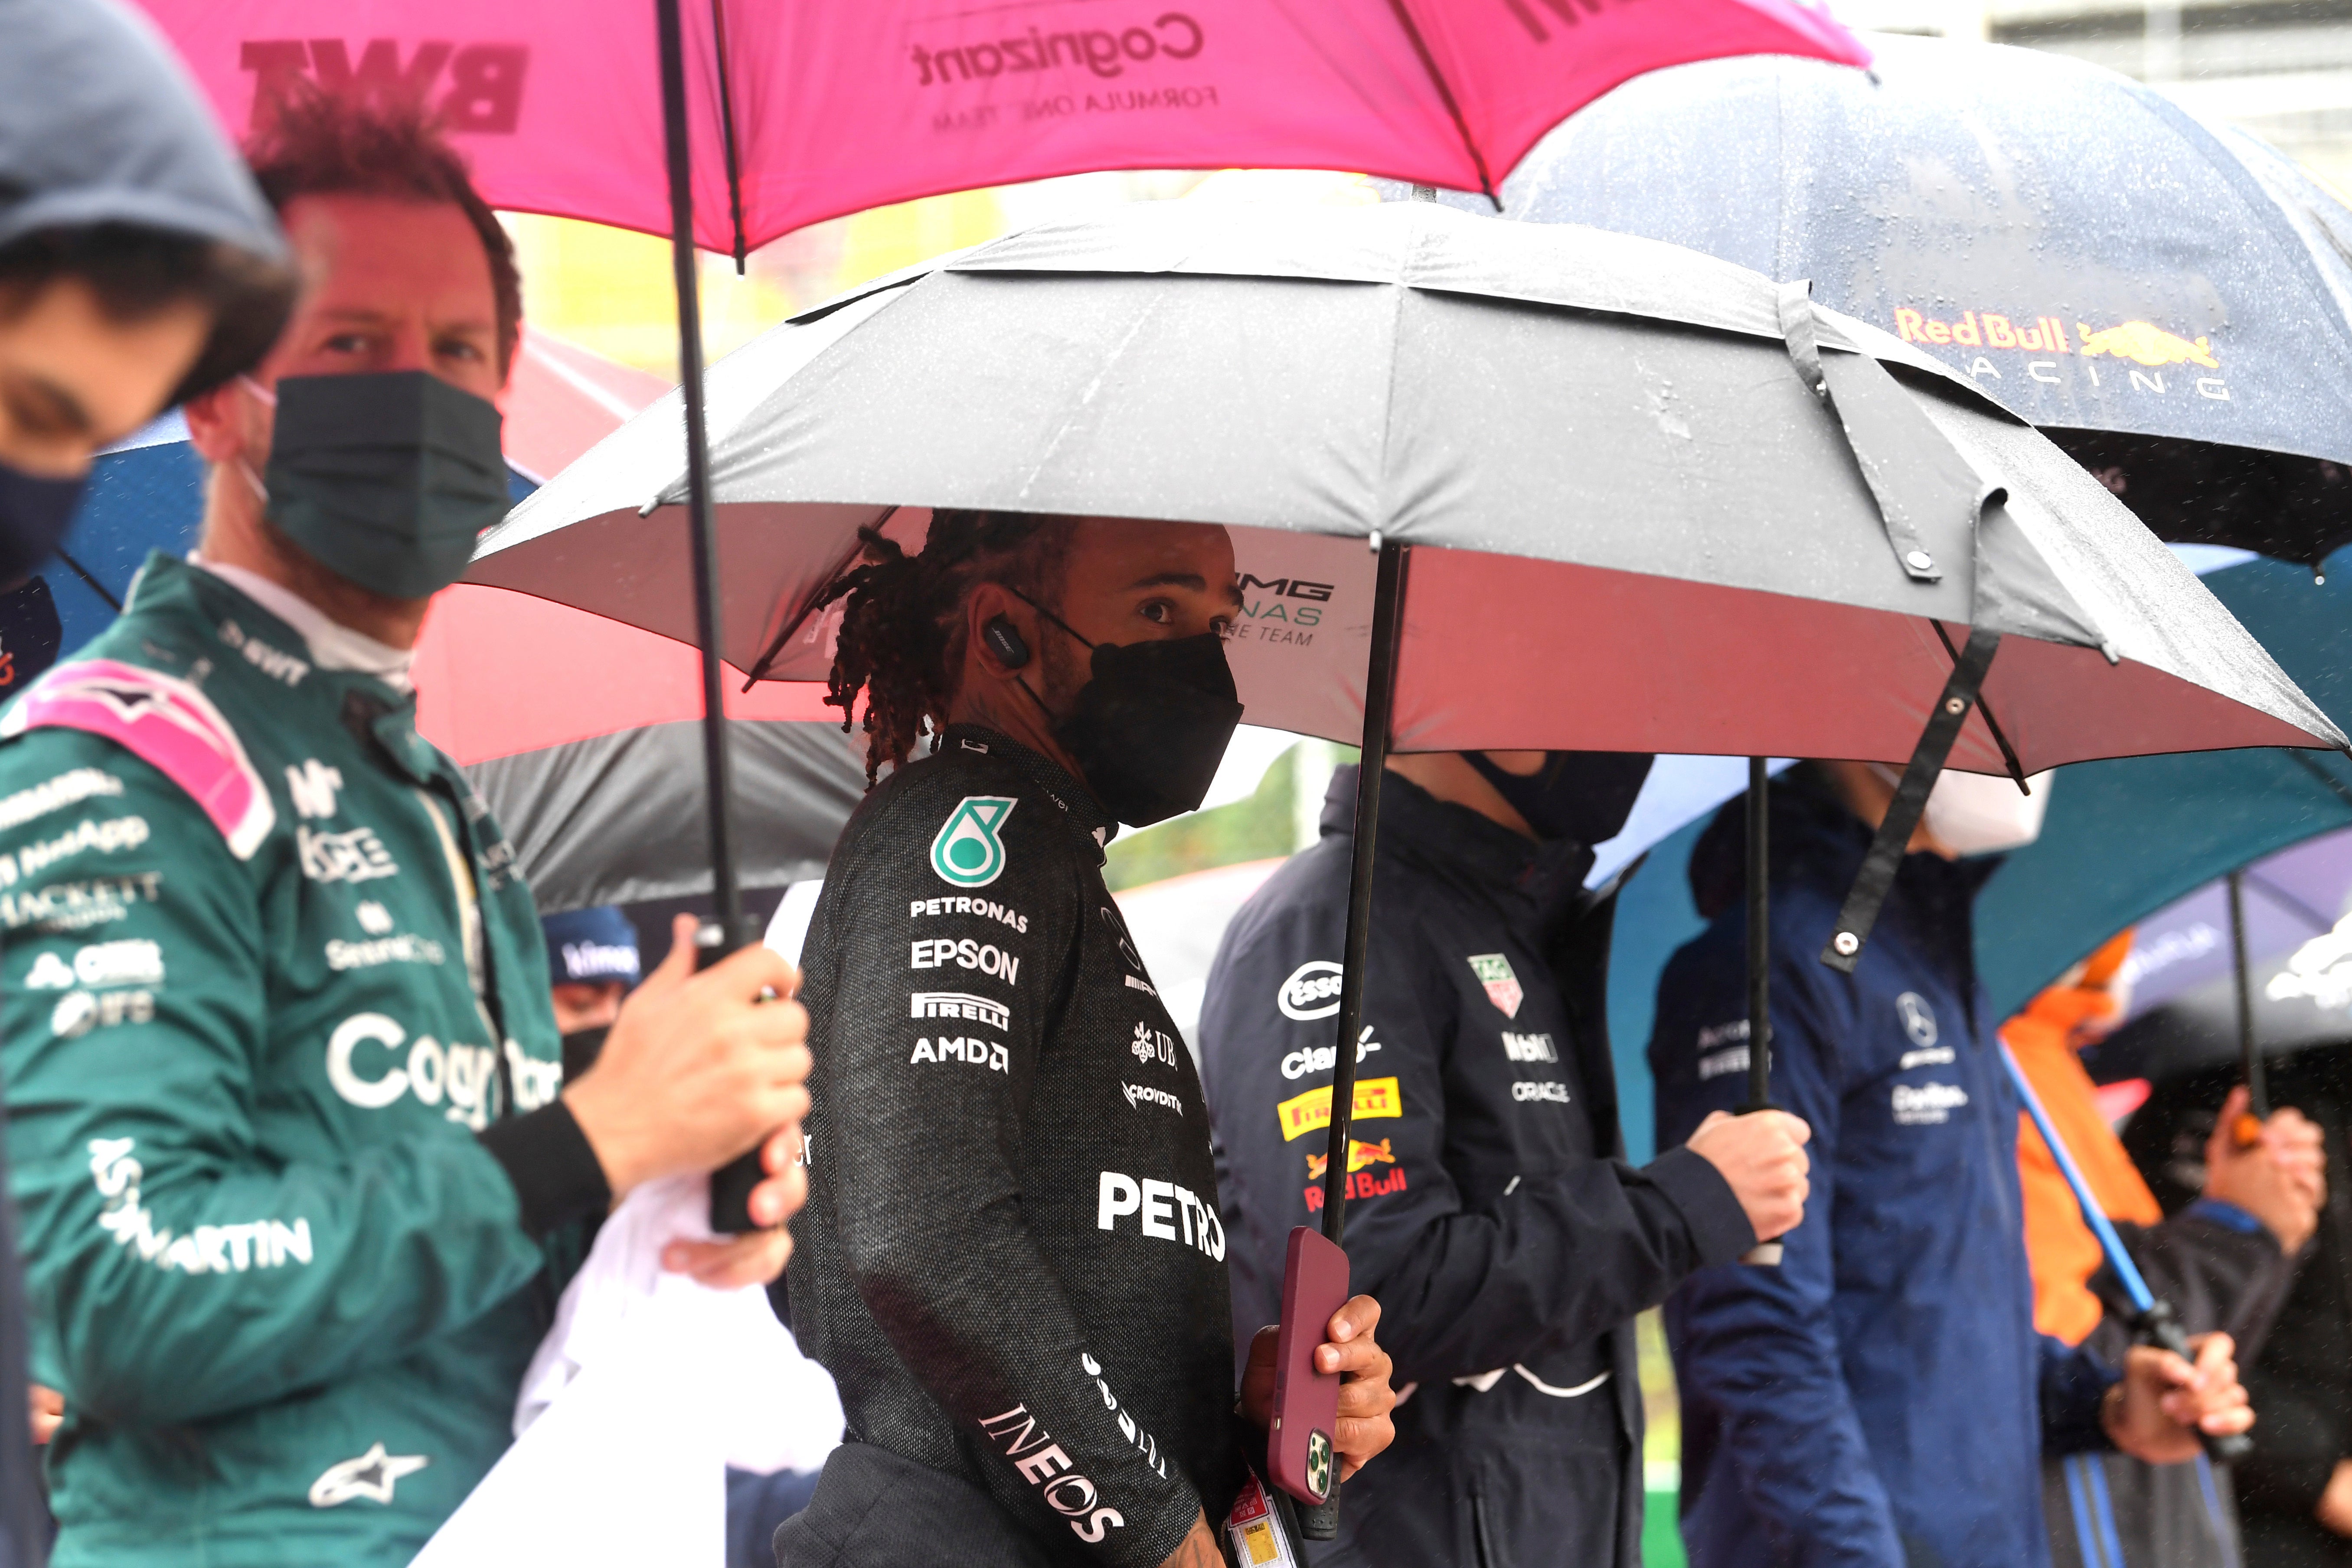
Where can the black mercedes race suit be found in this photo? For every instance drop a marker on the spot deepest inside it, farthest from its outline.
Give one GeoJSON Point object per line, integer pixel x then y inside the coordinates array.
{"type": "Point", "coordinates": [1011, 1259]}
{"type": "Point", "coordinates": [1507, 1244]}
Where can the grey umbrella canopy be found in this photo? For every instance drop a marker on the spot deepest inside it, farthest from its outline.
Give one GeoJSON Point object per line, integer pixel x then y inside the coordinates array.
{"type": "Point", "coordinates": [1638, 526]}
{"type": "Point", "coordinates": [2170, 301]}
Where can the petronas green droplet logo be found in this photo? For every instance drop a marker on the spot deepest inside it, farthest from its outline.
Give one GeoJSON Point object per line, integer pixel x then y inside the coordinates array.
{"type": "Point", "coordinates": [967, 852]}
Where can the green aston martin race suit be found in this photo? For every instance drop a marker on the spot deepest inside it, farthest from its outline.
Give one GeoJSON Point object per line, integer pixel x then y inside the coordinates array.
{"type": "Point", "coordinates": [280, 1073]}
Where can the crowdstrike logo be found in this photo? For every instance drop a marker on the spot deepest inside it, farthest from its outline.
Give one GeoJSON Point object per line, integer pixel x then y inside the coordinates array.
{"type": "Point", "coordinates": [1173, 35]}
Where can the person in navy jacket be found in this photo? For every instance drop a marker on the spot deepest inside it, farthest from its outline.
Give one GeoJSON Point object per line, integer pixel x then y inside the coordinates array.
{"type": "Point", "coordinates": [1881, 1398]}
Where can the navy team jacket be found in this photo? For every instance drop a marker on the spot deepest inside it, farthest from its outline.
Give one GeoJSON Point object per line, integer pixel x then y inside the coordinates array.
{"type": "Point", "coordinates": [1882, 1397]}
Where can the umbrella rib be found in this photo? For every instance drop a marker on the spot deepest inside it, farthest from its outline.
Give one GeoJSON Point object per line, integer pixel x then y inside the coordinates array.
{"type": "Point", "coordinates": [1446, 96]}
{"type": "Point", "coordinates": [2007, 752]}
{"type": "Point", "coordinates": [2342, 791]}
{"type": "Point", "coordinates": [727, 127]}
{"type": "Point", "coordinates": [96, 586]}
{"type": "Point", "coordinates": [2287, 901]}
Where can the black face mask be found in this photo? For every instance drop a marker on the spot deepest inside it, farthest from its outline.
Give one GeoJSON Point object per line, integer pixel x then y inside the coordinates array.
{"type": "Point", "coordinates": [385, 477]}
{"type": "Point", "coordinates": [580, 1049]}
{"type": "Point", "coordinates": [1150, 727]}
{"type": "Point", "coordinates": [34, 515]}
{"type": "Point", "coordinates": [1583, 797]}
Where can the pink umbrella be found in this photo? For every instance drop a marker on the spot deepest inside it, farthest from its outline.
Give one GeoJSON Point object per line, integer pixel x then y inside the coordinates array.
{"type": "Point", "coordinates": [805, 111]}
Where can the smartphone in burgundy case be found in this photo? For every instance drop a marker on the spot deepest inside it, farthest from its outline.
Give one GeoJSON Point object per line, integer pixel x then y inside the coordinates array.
{"type": "Point", "coordinates": [1300, 1458]}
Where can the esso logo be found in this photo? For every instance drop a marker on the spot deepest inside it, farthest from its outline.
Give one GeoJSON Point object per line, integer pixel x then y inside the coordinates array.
{"type": "Point", "coordinates": [1311, 992]}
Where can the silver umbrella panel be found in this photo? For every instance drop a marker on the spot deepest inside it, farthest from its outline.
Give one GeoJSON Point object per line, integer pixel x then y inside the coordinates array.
{"type": "Point", "coordinates": [1654, 501]}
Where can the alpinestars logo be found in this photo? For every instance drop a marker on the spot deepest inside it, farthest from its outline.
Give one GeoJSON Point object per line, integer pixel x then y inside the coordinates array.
{"type": "Point", "coordinates": [968, 851]}
{"type": "Point", "coordinates": [1494, 972]}
{"type": "Point", "coordinates": [371, 1476]}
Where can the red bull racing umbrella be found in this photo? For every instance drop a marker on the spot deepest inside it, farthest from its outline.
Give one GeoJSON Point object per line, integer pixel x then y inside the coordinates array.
{"type": "Point", "coordinates": [2169, 300]}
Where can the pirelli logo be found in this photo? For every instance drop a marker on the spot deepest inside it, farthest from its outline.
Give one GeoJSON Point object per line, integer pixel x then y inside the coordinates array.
{"type": "Point", "coordinates": [963, 1004]}
{"type": "Point", "coordinates": [1311, 1112]}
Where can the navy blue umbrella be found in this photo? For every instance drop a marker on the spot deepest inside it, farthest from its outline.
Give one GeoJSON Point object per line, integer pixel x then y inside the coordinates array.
{"type": "Point", "coordinates": [2169, 300]}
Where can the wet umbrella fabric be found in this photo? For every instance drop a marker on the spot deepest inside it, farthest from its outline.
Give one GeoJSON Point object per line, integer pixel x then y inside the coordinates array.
{"type": "Point", "coordinates": [2183, 1011]}
{"type": "Point", "coordinates": [2127, 836]}
{"type": "Point", "coordinates": [806, 111]}
{"type": "Point", "coordinates": [2171, 302]}
{"type": "Point", "coordinates": [1604, 450]}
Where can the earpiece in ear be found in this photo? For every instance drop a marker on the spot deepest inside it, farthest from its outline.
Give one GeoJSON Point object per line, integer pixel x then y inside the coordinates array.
{"type": "Point", "coordinates": [1003, 639]}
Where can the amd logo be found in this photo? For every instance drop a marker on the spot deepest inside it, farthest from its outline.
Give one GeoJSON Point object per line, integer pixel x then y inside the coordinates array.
{"type": "Point", "coordinates": [1288, 587]}
{"type": "Point", "coordinates": [471, 87]}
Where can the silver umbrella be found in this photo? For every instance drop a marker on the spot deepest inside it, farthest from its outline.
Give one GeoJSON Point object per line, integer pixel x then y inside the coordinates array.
{"type": "Point", "coordinates": [1653, 501]}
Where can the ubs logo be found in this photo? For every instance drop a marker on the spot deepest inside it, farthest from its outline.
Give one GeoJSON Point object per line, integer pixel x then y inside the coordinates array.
{"type": "Point", "coordinates": [471, 87]}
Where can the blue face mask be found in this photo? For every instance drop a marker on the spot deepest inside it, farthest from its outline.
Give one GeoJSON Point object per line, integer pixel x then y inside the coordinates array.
{"type": "Point", "coordinates": [35, 512]}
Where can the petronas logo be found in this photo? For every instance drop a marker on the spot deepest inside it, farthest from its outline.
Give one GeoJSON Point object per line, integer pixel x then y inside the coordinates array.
{"type": "Point", "coordinates": [967, 852]}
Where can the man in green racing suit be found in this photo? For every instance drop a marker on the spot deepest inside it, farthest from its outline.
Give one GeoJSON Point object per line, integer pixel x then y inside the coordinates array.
{"type": "Point", "coordinates": [293, 1147]}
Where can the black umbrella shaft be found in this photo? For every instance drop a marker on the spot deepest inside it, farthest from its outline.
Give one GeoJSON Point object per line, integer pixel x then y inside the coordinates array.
{"type": "Point", "coordinates": [2258, 1093]}
{"type": "Point", "coordinates": [1759, 937]}
{"type": "Point", "coordinates": [1380, 697]}
{"type": "Point", "coordinates": [702, 530]}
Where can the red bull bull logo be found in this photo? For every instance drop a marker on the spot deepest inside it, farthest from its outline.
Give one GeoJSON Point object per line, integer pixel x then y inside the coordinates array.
{"type": "Point", "coordinates": [2148, 343]}
{"type": "Point", "coordinates": [1361, 1183]}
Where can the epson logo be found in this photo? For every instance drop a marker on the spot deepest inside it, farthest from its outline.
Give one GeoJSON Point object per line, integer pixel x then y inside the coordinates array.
{"type": "Point", "coordinates": [1312, 990]}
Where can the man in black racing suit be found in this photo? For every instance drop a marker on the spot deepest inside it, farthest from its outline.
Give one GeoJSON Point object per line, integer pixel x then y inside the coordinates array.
{"type": "Point", "coordinates": [1011, 1261]}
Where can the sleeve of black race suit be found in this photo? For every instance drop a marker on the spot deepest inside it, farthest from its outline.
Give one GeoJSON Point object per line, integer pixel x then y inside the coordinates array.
{"type": "Point", "coordinates": [942, 1001]}
{"type": "Point", "coordinates": [1537, 1256]}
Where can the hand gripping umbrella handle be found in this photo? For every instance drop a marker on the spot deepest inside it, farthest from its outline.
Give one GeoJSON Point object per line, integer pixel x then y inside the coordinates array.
{"type": "Point", "coordinates": [2152, 1320]}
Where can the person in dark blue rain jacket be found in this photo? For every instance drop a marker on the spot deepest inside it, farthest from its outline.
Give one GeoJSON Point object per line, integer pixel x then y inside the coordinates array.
{"type": "Point", "coordinates": [1882, 1397]}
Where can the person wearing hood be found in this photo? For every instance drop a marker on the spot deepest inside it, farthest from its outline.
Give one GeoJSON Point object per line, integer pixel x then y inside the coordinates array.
{"type": "Point", "coordinates": [138, 267]}
{"type": "Point", "coordinates": [2223, 1262]}
{"type": "Point", "coordinates": [298, 1167]}
{"type": "Point", "coordinates": [1490, 1208]}
{"type": "Point", "coordinates": [1881, 1397]}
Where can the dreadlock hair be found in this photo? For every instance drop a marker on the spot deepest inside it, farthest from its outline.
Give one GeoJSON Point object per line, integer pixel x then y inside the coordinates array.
{"type": "Point", "coordinates": [902, 625]}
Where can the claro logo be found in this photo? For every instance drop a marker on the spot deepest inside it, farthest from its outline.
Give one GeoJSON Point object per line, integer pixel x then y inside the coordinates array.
{"type": "Point", "coordinates": [1311, 992]}
{"type": "Point", "coordinates": [1173, 35]}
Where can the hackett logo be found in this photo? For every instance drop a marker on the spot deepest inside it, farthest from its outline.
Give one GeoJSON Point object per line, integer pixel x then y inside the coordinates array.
{"type": "Point", "coordinates": [1171, 36]}
{"type": "Point", "coordinates": [471, 87]}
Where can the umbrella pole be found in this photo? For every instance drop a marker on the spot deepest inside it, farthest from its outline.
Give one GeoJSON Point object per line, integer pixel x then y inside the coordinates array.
{"type": "Point", "coordinates": [1764, 1254]}
{"type": "Point", "coordinates": [2153, 1320]}
{"type": "Point", "coordinates": [1320, 1521]}
{"type": "Point", "coordinates": [701, 526]}
{"type": "Point", "coordinates": [1379, 696]}
{"type": "Point", "coordinates": [2249, 1130]}
{"type": "Point", "coordinates": [731, 1184]}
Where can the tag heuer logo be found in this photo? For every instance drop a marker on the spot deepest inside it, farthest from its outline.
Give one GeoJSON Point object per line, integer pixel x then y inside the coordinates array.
{"type": "Point", "coordinates": [967, 852]}
{"type": "Point", "coordinates": [1494, 971]}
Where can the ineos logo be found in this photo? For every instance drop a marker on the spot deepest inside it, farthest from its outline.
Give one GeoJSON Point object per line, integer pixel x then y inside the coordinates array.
{"type": "Point", "coordinates": [1311, 992]}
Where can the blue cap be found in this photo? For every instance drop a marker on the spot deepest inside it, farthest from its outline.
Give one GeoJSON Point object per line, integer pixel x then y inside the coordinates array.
{"type": "Point", "coordinates": [589, 947]}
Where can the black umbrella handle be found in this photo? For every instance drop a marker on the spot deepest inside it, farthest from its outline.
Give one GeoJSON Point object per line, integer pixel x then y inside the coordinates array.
{"type": "Point", "coordinates": [2156, 1325]}
{"type": "Point", "coordinates": [732, 1183]}
{"type": "Point", "coordinates": [1764, 1254]}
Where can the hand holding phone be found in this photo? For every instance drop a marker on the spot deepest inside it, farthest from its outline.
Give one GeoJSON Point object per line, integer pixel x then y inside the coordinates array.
{"type": "Point", "coordinates": [1300, 1456]}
